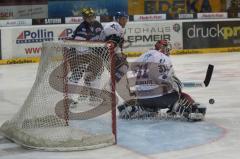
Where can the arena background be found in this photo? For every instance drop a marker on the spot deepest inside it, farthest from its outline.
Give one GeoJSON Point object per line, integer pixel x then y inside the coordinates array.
{"type": "Point", "coordinates": [216, 21]}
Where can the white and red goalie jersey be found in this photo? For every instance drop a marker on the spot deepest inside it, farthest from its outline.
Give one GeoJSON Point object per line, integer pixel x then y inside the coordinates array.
{"type": "Point", "coordinates": [151, 75]}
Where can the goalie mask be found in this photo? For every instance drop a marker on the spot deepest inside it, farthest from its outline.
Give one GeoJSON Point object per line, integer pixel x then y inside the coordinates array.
{"type": "Point", "coordinates": [163, 46]}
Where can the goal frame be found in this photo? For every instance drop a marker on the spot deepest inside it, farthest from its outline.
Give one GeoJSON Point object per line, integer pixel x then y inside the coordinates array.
{"type": "Point", "coordinates": [25, 130]}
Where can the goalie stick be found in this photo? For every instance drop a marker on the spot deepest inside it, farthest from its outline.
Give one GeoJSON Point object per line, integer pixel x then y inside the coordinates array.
{"type": "Point", "coordinates": [206, 81]}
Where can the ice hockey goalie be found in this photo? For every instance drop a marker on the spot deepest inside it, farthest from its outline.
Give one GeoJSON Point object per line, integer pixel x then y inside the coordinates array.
{"type": "Point", "coordinates": [154, 86]}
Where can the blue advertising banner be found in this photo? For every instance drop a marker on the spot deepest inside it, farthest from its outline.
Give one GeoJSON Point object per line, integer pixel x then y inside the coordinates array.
{"type": "Point", "coordinates": [70, 8]}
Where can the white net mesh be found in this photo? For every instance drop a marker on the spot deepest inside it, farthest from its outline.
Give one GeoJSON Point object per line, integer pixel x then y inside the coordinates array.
{"type": "Point", "coordinates": [70, 104]}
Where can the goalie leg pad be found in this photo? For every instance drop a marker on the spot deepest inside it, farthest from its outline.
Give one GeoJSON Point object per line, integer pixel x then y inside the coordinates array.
{"type": "Point", "coordinates": [190, 109]}
{"type": "Point", "coordinates": [130, 110]}
{"type": "Point", "coordinates": [135, 112]}
{"type": "Point", "coordinates": [161, 102]}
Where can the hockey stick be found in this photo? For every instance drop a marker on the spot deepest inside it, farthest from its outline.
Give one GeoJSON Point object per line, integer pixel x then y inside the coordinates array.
{"type": "Point", "coordinates": [206, 81]}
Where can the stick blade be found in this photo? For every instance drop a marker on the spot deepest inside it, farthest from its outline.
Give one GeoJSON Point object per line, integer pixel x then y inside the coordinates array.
{"type": "Point", "coordinates": [208, 75]}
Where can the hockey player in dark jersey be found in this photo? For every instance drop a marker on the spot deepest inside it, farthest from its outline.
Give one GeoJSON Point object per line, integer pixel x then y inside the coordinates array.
{"type": "Point", "coordinates": [89, 29]}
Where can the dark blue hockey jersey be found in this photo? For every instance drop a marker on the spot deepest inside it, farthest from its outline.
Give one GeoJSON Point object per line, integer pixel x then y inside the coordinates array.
{"type": "Point", "coordinates": [86, 31]}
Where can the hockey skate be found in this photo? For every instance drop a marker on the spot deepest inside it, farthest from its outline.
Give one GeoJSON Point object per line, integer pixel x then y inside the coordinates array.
{"type": "Point", "coordinates": [75, 98]}
{"type": "Point", "coordinates": [197, 113]}
{"type": "Point", "coordinates": [72, 80]}
{"type": "Point", "coordinates": [84, 100]}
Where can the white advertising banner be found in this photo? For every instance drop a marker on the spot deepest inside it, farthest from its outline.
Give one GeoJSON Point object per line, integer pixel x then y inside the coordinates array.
{"type": "Point", "coordinates": [73, 20]}
{"type": "Point", "coordinates": [142, 36]}
{"type": "Point", "coordinates": [27, 41]}
{"type": "Point", "coordinates": [185, 16]}
{"type": "Point", "coordinates": [149, 17]}
{"type": "Point", "coordinates": [77, 20]}
{"type": "Point", "coordinates": [15, 22]}
{"type": "Point", "coordinates": [24, 12]}
{"type": "Point", "coordinates": [216, 15]}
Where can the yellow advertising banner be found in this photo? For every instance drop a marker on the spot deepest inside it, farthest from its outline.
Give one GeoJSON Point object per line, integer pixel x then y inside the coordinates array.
{"type": "Point", "coordinates": [215, 5]}
{"type": "Point", "coordinates": [174, 6]}
{"type": "Point", "coordinates": [135, 7]}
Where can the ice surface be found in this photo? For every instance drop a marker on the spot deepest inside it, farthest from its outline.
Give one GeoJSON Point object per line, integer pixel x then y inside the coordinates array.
{"type": "Point", "coordinates": [218, 137]}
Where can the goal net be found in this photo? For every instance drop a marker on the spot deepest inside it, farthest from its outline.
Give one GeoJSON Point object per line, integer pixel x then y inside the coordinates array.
{"type": "Point", "coordinates": [71, 105]}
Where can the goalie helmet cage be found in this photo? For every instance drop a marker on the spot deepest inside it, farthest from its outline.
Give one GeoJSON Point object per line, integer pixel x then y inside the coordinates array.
{"type": "Point", "coordinates": [47, 121]}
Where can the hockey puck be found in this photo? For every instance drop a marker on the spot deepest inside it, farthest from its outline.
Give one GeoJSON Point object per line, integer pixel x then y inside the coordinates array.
{"type": "Point", "coordinates": [211, 101]}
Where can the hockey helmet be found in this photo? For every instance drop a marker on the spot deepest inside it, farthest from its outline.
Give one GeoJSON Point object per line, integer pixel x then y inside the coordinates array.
{"type": "Point", "coordinates": [163, 46]}
{"type": "Point", "coordinates": [118, 15]}
{"type": "Point", "coordinates": [87, 12]}
{"type": "Point", "coordinates": [119, 18]}
{"type": "Point", "coordinates": [160, 43]}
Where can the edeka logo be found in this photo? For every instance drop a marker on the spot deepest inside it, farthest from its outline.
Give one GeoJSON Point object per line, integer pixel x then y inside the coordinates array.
{"type": "Point", "coordinates": [213, 32]}
{"type": "Point", "coordinates": [28, 36]}
{"type": "Point", "coordinates": [65, 33]}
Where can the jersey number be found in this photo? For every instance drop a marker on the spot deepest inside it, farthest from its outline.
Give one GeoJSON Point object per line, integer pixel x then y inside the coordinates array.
{"type": "Point", "coordinates": [142, 71]}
